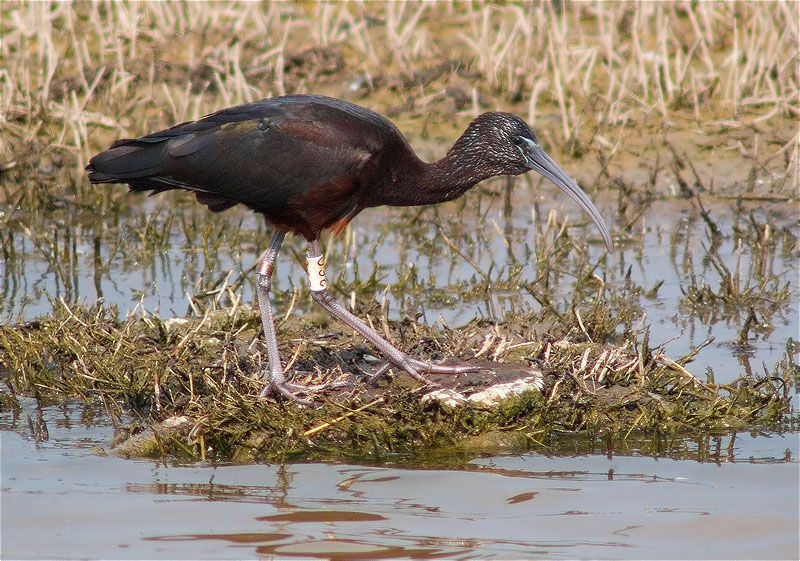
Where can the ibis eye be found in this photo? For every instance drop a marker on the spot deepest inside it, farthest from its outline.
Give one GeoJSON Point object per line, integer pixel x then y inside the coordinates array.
{"type": "Point", "coordinates": [527, 143]}
{"type": "Point", "coordinates": [521, 143]}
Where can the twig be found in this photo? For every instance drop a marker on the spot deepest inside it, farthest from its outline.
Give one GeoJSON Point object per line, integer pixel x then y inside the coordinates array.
{"type": "Point", "coordinates": [321, 427]}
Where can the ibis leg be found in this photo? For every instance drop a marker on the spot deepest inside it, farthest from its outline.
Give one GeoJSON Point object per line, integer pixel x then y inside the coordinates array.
{"type": "Point", "coordinates": [319, 292]}
{"type": "Point", "coordinates": [263, 285]}
{"type": "Point", "coordinates": [277, 380]}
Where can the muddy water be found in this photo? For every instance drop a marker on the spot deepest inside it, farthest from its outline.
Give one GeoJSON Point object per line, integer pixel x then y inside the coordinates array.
{"type": "Point", "coordinates": [61, 500]}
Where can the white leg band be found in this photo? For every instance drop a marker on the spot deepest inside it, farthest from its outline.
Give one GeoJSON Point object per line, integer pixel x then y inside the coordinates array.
{"type": "Point", "coordinates": [316, 273]}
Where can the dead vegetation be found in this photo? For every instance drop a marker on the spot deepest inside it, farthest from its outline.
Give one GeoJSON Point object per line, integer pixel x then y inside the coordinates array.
{"type": "Point", "coordinates": [187, 388]}
{"type": "Point", "coordinates": [192, 389]}
{"type": "Point", "coordinates": [691, 102]}
{"type": "Point", "coordinates": [76, 76]}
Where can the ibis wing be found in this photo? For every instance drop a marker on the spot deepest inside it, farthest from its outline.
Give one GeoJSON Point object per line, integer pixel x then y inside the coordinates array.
{"type": "Point", "coordinates": [295, 161]}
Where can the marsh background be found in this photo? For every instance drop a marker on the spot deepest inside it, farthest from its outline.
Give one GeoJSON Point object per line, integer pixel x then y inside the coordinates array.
{"type": "Point", "coordinates": [680, 120]}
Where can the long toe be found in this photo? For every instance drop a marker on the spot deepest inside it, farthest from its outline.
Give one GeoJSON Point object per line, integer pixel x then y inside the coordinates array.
{"type": "Point", "coordinates": [281, 389]}
{"type": "Point", "coordinates": [432, 368]}
{"type": "Point", "coordinates": [414, 371]}
{"type": "Point", "coordinates": [289, 390]}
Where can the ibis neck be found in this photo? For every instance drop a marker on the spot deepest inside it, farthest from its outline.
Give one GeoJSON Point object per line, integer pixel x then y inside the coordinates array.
{"type": "Point", "coordinates": [441, 181]}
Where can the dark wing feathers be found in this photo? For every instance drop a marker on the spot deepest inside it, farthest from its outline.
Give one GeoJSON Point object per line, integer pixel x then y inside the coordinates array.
{"type": "Point", "coordinates": [278, 156]}
{"type": "Point", "coordinates": [125, 161]}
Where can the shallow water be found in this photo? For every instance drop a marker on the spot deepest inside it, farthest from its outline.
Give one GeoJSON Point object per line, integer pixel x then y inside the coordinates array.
{"type": "Point", "coordinates": [152, 254]}
{"type": "Point", "coordinates": [61, 500]}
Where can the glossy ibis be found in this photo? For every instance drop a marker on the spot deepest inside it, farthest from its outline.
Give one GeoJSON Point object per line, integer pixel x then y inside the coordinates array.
{"type": "Point", "coordinates": [310, 163]}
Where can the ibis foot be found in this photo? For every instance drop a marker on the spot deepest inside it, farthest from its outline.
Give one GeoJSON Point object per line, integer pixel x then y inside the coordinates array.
{"type": "Point", "coordinates": [415, 368]}
{"type": "Point", "coordinates": [279, 386]}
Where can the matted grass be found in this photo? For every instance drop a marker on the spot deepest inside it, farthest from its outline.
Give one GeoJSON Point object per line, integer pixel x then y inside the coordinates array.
{"type": "Point", "coordinates": [193, 385]}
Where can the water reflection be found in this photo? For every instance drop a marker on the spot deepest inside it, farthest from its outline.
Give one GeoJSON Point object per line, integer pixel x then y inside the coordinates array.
{"type": "Point", "coordinates": [742, 502]}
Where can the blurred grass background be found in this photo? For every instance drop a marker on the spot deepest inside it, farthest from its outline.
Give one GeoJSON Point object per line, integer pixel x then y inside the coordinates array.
{"type": "Point", "coordinates": [587, 75]}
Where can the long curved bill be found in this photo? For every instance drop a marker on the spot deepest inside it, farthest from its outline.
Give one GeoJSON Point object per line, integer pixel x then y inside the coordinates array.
{"type": "Point", "coordinates": [542, 163]}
